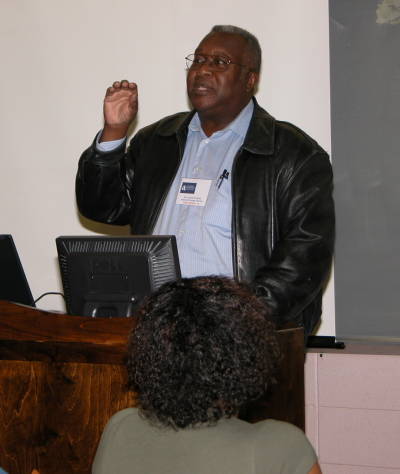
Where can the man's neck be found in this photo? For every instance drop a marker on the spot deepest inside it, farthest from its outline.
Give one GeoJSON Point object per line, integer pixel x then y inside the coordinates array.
{"type": "Point", "coordinates": [211, 123]}
{"type": "Point", "coordinates": [211, 126]}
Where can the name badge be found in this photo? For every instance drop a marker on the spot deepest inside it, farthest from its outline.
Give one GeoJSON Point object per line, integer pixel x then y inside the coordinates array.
{"type": "Point", "coordinates": [193, 192]}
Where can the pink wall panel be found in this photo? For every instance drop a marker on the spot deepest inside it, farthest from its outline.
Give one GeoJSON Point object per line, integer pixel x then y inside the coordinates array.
{"type": "Point", "coordinates": [359, 437]}
{"type": "Point", "coordinates": [359, 381]}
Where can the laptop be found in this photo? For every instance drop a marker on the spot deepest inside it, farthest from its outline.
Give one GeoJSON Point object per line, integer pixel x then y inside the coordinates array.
{"type": "Point", "coordinates": [13, 283]}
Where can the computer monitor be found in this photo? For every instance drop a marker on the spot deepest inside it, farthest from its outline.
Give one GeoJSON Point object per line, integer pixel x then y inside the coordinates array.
{"type": "Point", "coordinates": [13, 283]}
{"type": "Point", "coordinates": [109, 276]}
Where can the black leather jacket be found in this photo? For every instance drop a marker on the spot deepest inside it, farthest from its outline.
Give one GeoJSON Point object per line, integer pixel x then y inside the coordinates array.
{"type": "Point", "coordinates": [282, 218]}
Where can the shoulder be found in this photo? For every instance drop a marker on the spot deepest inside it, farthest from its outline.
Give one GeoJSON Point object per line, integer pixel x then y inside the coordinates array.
{"type": "Point", "coordinates": [166, 126]}
{"type": "Point", "coordinates": [299, 154]}
{"type": "Point", "coordinates": [125, 413]}
{"type": "Point", "coordinates": [279, 429]}
{"type": "Point", "coordinates": [123, 417]}
{"type": "Point", "coordinates": [284, 138]}
{"type": "Point", "coordinates": [285, 444]}
{"type": "Point", "coordinates": [288, 129]}
{"type": "Point", "coordinates": [272, 431]}
{"type": "Point", "coordinates": [114, 439]}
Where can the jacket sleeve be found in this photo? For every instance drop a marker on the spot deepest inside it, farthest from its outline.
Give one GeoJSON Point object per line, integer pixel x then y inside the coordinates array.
{"type": "Point", "coordinates": [300, 262]}
{"type": "Point", "coordinates": [103, 185]}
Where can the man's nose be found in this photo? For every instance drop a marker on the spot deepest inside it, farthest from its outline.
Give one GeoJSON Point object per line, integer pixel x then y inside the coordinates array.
{"type": "Point", "coordinates": [206, 67]}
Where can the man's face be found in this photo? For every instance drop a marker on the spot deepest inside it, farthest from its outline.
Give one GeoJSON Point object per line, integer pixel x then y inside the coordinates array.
{"type": "Point", "coordinates": [221, 95]}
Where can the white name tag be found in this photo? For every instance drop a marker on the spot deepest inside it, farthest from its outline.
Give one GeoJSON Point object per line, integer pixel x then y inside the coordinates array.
{"type": "Point", "coordinates": [193, 192]}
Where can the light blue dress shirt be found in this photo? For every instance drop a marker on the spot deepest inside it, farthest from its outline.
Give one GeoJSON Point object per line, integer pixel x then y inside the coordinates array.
{"type": "Point", "coordinates": [203, 233]}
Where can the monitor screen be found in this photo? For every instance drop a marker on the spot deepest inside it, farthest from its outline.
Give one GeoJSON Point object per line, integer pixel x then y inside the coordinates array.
{"type": "Point", "coordinates": [13, 283]}
{"type": "Point", "coordinates": [109, 276]}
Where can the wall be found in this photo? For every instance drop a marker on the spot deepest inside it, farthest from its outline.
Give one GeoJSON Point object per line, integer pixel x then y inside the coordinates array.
{"type": "Point", "coordinates": [57, 60]}
{"type": "Point", "coordinates": [353, 408]}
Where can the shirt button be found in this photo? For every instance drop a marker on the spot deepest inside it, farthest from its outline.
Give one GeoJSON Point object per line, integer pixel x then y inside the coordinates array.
{"type": "Point", "coordinates": [206, 141]}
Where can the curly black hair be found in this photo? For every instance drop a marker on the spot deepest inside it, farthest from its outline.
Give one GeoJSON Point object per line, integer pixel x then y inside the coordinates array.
{"type": "Point", "coordinates": [202, 348]}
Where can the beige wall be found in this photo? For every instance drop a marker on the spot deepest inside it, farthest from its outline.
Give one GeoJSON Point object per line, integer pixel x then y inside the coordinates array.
{"type": "Point", "coordinates": [59, 56]}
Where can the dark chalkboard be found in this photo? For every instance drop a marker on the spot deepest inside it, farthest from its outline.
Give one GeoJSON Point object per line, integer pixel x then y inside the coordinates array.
{"type": "Point", "coordinates": [365, 103]}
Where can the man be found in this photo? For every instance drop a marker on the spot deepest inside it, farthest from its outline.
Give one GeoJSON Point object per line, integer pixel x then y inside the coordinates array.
{"type": "Point", "coordinates": [246, 195]}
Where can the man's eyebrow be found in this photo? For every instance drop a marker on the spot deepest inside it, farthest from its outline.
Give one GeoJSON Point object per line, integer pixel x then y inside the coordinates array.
{"type": "Point", "coordinates": [216, 53]}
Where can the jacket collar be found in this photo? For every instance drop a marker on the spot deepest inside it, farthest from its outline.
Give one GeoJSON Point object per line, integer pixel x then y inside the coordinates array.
{"type": "Point", "coordinates": [175, 124]}
{"type": "Point", "coordinates": [259, 138]}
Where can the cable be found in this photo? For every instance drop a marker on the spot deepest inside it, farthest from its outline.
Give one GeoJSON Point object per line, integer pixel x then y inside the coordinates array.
{"type": "Point", "coordinates": [49, 293]}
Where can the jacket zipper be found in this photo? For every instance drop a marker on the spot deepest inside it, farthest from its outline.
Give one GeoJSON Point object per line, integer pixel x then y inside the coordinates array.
{"type": "Point", "coordinates": [233, 219]}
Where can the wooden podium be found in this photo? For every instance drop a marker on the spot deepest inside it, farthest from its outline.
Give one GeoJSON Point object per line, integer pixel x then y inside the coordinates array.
{"type": "Point", "coordinates": [62, 377]}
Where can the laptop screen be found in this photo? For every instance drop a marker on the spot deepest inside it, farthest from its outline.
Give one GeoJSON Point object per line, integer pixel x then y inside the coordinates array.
{"type": "Point", "coordinates": [13, 283]}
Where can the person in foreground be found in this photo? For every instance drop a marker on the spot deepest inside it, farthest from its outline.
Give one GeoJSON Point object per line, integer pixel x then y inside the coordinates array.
{"type": "Point", "coordinates": [246, 196]}
{"type": "Point", "coordinates": [202, 348]}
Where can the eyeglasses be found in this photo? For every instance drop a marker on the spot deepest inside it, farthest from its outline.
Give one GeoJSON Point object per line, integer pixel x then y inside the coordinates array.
{"type": "Point", "coordinates": [215, 63]}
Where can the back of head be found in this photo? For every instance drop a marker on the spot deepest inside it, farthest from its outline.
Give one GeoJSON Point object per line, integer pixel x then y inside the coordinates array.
{"type": "Point", "coordinates": [201, 349]}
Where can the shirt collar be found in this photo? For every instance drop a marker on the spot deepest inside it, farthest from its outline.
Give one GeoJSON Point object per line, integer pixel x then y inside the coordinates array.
{"type": "Point", "coordinates": [239, 125]}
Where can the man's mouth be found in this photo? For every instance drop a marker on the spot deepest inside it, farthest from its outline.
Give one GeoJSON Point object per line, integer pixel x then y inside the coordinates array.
{"type": "Point", "coordinates": [201, 89]}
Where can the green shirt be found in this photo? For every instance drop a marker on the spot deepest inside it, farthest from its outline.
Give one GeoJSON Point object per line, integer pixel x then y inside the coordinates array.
{"type": "Point", "coordinates": [130, 444]}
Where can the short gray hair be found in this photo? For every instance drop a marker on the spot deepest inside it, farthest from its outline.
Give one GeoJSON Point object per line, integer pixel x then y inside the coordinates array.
{"type": "Point", "coordinates": [251, 41]}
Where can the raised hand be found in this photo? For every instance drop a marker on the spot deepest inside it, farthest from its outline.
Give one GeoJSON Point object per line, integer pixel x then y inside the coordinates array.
{"type": "Point", "coordinates": [120, 109]}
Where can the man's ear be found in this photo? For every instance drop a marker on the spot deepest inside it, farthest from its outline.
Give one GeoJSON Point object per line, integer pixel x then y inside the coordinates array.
{"type": "Point", "coordinates": [252, 81]}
